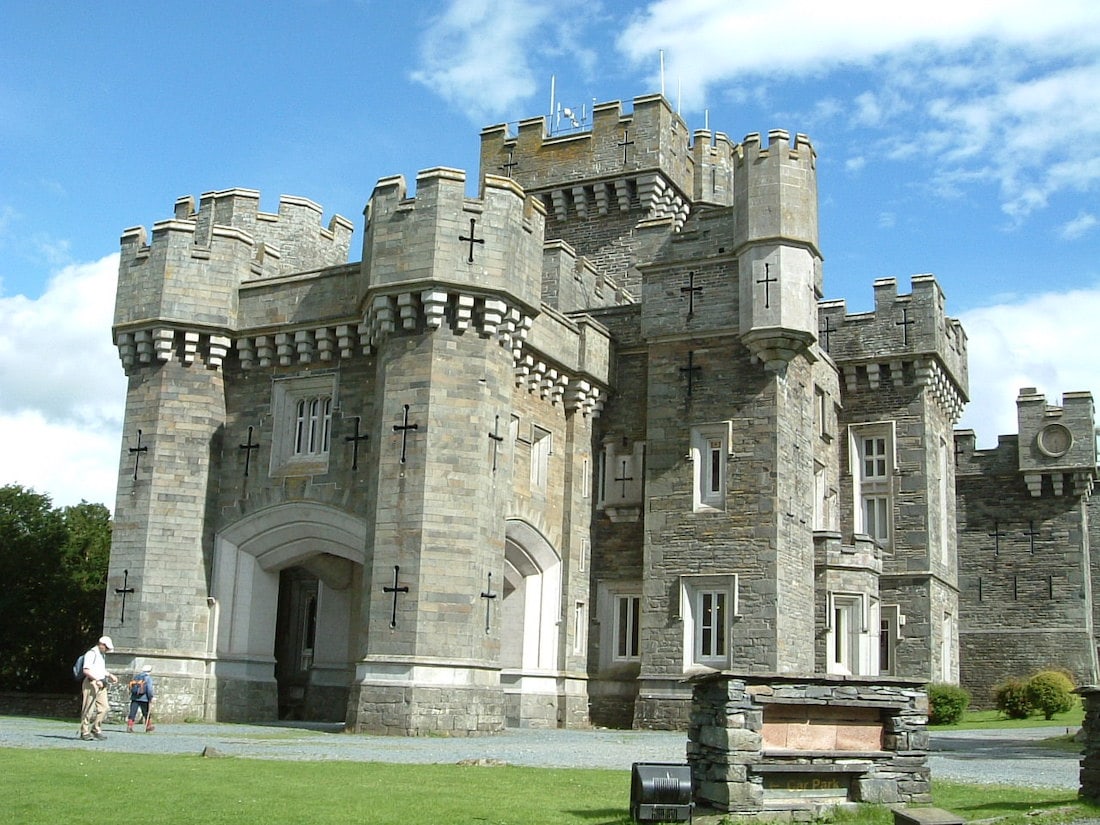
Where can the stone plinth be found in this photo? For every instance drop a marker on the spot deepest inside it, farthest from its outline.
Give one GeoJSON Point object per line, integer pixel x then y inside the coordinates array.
{"type": "Point", "coordinates": [781, 742]}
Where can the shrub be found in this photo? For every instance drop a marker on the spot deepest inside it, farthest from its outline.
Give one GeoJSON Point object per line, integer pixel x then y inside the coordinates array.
{"type": "Point", "coordinates": [946, 703]}
{"type": "Point", "coordinates": [1011, 698]}
{"type": "Point", "coordinates": [1051, 692]}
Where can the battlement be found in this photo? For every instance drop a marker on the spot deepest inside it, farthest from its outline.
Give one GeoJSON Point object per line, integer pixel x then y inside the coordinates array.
{"type": "Point", "coordinates": [570, 283]}
{"type": "Point", "coordinates": [490, 245]}
{"type": "Point", "coordinates": [715, 156]}
{"type": "Point", "coordinates": [780, 149]}
{"type": "Point", "coordinates": [902, 330]}
{"type": "Point", "coordinates": [624, 161]}
{"type": "Point", "coordinates": [652, 137]}
{"type": "Point", "coordinates": [775, 190]}
{"type": "Point", "coordinates": [1054, 451]}
{"type": "Point", "coordinates": [291, 240]}
{"type": "Point", "coordinates": [1056, 442]}
{"type": "Point", "coordinates": [189, 272]}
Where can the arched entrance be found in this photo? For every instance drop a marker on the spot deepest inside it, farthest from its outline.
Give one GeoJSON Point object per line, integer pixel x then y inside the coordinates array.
{"type": "Point", "coordinates": [286, 586]}
{"type": "Point", "coordinates": [530, 642]}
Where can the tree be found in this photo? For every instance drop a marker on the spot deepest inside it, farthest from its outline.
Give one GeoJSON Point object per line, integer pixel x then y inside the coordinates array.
{"type": "Point", "coordinates": [53, 565]}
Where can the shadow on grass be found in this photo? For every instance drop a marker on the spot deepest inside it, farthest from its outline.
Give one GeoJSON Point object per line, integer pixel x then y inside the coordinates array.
{"type": "Point", "coordinates": [603, 816]}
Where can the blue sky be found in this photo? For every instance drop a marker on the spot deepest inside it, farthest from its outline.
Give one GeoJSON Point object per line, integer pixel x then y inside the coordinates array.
{"type": "Point", "coordinates": [957, 139]}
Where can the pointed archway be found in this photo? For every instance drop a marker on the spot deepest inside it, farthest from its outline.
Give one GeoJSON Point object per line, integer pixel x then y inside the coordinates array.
{"type": "Point", "coordinates": [531, 614]}
{"type": "Point", "coordinates": [317, 552]}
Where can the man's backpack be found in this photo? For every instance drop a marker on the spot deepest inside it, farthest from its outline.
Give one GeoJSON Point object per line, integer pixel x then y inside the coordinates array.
{"type": "Point", "coordinates": [137, 686]}
{"type": "Point", "coordinates": [78, 668]}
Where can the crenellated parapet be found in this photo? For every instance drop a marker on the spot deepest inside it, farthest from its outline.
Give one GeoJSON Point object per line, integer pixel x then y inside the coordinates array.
{"type": "Point", "coordinates": [1057, 443]}
{"type": "Point", "coordinates": [290, 240]}
{"type": "Point", "coordinates": [715, 157]}
{"type": "Point", "coordinates": [442, 240]}
{"type": "Point", "coordinates": [775, 189]}
{"type": "Point", "coordinates": [640, 160]}
{"type": "Point", "coordinates": [906, 339]}
{"type": "Point", "coordinates": [178, 291]}
{"type": "Point", "coordinates": [571, 283]}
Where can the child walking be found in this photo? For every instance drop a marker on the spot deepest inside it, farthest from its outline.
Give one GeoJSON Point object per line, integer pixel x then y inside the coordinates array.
{"type": "Point", "coordinates": [141, 699]}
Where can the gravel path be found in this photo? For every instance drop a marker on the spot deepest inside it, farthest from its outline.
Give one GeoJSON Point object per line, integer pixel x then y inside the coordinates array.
{"type": "Point", "coordinates": [1009, 757]}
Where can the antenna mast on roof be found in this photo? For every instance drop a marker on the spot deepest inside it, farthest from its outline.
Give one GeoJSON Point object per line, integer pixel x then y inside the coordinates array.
{"type": "Point", "coordinates": [553, 79]}
{"type": "Point", "coordinates": [662, 54]}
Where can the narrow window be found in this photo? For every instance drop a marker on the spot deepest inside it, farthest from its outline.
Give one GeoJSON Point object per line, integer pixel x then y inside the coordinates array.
{"type": "Point", "coordinates": [710, 453]}
{"type": "Point", "coordinates": [540, 456]}
{"type": "Point", "coordinates": [580, 628]}
{"type": "Point", "coordinates": [712, 624]}
{"type": "Point", "coordinates": [627, 631]}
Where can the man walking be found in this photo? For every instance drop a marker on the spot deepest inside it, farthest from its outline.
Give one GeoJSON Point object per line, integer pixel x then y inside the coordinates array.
{"type": "Point", "coordinates": [93, 690]}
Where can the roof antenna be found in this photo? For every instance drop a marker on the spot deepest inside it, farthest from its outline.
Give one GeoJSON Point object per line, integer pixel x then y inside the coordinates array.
{"type": "Point", "coordinates": [662, 54]}
{"type": "Point", "coordinates": [553, 79]}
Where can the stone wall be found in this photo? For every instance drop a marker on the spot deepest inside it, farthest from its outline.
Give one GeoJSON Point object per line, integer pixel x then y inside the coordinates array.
{"type": "Point", "coordinates": [1090, 756]}
{"type": "Point", "coordinates": [760, 743]}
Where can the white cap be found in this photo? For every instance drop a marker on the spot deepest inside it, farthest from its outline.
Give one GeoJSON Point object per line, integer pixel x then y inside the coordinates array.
{"type": "Point", "coordinates": [147, 669]}
{"type": "Point", "coordinates": [106, 642]}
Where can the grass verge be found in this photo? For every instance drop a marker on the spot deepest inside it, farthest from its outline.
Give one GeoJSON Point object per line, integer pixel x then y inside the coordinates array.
{"type": "Point", "coordinates": [987, 719]}
{"type": "Point", "coordinates": [43, 787]}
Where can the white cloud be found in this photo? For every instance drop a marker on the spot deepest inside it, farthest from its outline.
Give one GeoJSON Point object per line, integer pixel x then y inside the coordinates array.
{"type": "Point", "coordinates": [62, 389]}
{"type": "Point", "coordinates": [478, 54]}
{"type": "Point", "coordinates": [1079, 226]}
{"type": "Point", "coordinates": [707, 42]}
{"type": "Point", "coordinates": [1046, 342]}
{"type": "Point", "coordinates": [1002, 92]}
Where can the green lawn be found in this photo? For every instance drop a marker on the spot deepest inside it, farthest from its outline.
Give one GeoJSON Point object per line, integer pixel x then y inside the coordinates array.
{"type": "Point", "coordinates": [985, 719]}
{"type": "Point", "coordinates": [43, 787]}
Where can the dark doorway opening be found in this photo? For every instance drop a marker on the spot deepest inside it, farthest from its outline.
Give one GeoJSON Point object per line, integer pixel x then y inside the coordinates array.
{"type": "Point", "coordinates": [295, 634]}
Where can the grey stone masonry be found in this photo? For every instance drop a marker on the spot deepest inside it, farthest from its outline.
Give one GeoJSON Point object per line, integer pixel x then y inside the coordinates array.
{"type": "Point", "coordinates": [1026, 521]}
{"type": "Point", "coordinates": [782, 742]}
{"type": "Point", "coordinates": [1090, 755]}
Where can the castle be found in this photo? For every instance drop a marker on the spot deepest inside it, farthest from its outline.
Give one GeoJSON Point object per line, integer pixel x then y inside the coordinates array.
{"type": "Point", "coordinates": [543, 452]}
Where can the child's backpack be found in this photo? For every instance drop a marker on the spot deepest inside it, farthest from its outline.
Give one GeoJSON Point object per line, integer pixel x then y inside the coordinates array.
{"type": "Point", "coordinates": [137, 686]}
{"type": "Point", "coordinates": [78, 668]}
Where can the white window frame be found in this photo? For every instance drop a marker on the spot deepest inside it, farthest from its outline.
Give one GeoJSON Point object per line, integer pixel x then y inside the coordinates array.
{"type": "Point", "coordinates": [542, 447]}
{"type": "Point", "coordinates": [943, 511]}
{"type": "Point", "coordinates": [890, 624]}
{"type": "Point", "coordinates": [710, 452]}
{"type": "Point", "coordinates": [312, 425]}
{"type": "Point", "coordinates": [707, 643]}
{"type": "Point", "coordinates": [626, 634]}
{"type": "Point", "coordinates": [873, 461]}
{"type": "Point", "coordinates": [821, 493]}
{"type": "Point", "coordinates": [302, 411]}
{"type": "Point", "coordinates": [580, 628]}
{"type": "Point", "coordinates": [608, 595]}
{"type": "Point", "coordinates": [848, 614]}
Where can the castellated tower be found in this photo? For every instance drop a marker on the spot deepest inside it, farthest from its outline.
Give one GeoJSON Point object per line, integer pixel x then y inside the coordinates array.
{"type": "Point", "coordinates": [176, 311]}
{"type": "Point", "coordinates": [1027, 525]}
{"type": "Point", "coordinates": [453, 286]}
{"type": "Point", "coordinates": [904, 383]}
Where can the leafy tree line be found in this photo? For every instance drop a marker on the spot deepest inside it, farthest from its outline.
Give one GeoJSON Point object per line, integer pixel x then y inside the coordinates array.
{"type": "Point", "coordinates": [53, 579]}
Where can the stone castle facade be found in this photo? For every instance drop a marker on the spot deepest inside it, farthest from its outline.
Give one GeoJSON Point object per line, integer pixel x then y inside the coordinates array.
{"type": "Point", "coordinates": [541, 453]}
